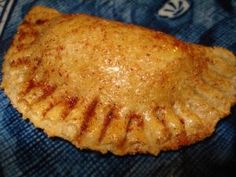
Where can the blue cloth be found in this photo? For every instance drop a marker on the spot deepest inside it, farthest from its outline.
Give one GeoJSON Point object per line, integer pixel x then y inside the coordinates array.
{"type": "Point", "coordinates": [27, 151]}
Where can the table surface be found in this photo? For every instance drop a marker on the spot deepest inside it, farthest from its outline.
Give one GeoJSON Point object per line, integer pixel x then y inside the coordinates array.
{"type": "Point", "coordinates": [27, 151]}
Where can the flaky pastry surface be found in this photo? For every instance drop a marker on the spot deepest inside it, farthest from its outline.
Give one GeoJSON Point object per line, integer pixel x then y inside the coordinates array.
{"type": "Point", "coordinates": [108, 86]}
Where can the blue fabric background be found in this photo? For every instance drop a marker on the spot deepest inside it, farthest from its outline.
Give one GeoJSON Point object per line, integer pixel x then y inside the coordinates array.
{"type": "Point", "coordinates": [26, 151]}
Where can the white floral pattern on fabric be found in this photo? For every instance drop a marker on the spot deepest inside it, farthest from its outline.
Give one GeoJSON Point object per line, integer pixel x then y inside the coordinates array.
{"type": "Point", "coordinates": [5, 7]}
{"type": "Point", "coordinates": [174, 8]}
{"type": "Point", "coordinates": [2, 3]}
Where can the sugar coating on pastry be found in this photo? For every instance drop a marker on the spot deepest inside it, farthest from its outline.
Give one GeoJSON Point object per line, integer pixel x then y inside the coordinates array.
{"type": "Point", "coordinates": [113, 87]}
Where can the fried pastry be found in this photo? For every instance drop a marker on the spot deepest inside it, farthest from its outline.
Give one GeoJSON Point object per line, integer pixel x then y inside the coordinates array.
{"type": "Point", "coordinates": [114, 87]}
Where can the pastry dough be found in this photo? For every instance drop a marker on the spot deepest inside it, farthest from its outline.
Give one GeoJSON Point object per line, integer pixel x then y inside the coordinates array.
{"type": "Point", "coordinates": [108, 86]}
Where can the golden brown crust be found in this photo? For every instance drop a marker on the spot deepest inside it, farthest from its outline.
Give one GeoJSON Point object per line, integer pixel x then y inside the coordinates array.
{"type": "Point", "coordinates": [108, 86]}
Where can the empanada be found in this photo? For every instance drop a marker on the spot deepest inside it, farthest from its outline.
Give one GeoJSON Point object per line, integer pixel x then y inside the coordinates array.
{"type": "Point", "coordinates": [108, 86]}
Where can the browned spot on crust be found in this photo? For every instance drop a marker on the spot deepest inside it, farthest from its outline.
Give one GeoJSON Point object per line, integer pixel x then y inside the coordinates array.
{"type": "Point", "coordinates": [31, 84]}
{"type": "Point", "coordinates": [20, 47]}
{"type": "Point", "coordinates": [51, 105]}
{"type": "Point", "coordinates": [160, 36]}
{"type": "Point", "coordinates": [25, 34]}
{"type": "Point", "coordinates": [127, 129]}
{"type": "Point", "coordinates": [20, 61]}
{"type": "Point", "coordinates": [181, 45]}
{"type": "Point", "coordinates": [40, 22]}
{"type": "Point", "coordinates": [181, 121]}
{"type": "Point", "coordinates": [160, 111]}
{"type": "Point", "coordinates": [136, 119]}
{"type": "Point", "coordinates": [70, 103]}
{"type": "Point", "coordinates": [182, 139]}
{"type": "Point", "coordinates": [46, 88]}
{"type": "Point", "coordinates": [88, 115]}
{"type": "Point", "coordinates": [26, 61]}
{"type": "Point", "coordinates": [106, 124]}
